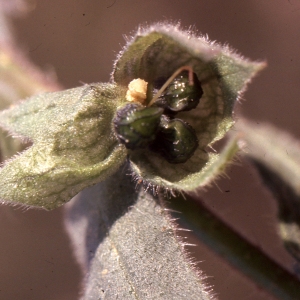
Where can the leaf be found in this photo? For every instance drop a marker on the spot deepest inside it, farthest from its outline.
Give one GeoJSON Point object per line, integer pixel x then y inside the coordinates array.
{"type": "Point", "coordinates": [157, 52]}
{"type": "Point", "coordinates": [74, 145]}
{"type": "Point", "coordinates": [243, 256]}
{"type": "Point", "coordinates": [8, 10]}
{"type": "Point", "coordinates": [129, 245]}
{"type": "Point", "coordinates": [276, 156]}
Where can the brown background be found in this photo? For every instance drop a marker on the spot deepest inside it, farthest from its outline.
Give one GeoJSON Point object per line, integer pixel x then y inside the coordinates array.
{"type": "Point", "coordinates": [79, 40]}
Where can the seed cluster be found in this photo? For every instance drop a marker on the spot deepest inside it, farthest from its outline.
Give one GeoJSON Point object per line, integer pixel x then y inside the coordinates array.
{"type": "Point", "coordinates": [156, 127]}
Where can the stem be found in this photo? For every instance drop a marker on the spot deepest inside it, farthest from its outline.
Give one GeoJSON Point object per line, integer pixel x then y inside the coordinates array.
{"type": "Point", "coordinates": [233, 247]}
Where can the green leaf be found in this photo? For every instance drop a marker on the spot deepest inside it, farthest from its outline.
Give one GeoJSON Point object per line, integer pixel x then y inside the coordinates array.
{"type": "Point", "coordinates": [73, 145]}
{"type": "Point", "coordinates": [128, 245]}
{"type": "Point", "coordinates": [157, 52]}
{"type": "Point", "coordinates": [276, 155]}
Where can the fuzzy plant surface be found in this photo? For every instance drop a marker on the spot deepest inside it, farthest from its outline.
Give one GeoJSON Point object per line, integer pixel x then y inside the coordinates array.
{"type": "Point", "coordinates": [73, 135]}
{"type": "Point", "coordinates": [171, 97]}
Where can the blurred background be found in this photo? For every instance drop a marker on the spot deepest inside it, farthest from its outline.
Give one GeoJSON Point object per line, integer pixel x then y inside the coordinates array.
{"type": "Point", "coordinates": [78, 41]}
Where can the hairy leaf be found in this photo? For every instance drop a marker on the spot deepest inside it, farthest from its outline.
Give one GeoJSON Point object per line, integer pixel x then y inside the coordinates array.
{"type": "Point", "coordinates": [276, 155]}
{"type": "Point", "coordinates": [74, 145]}
{"type": "Point", "coordinates": [127, 243]}
{"type": "Point", "coordinates": [156, 53]}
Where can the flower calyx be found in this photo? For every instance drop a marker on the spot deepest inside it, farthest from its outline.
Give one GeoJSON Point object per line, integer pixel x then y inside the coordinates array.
{"type": "Point", "coordinates": [150, 123]}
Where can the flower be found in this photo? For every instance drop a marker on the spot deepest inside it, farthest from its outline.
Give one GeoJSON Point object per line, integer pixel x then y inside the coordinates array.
{"type": "Point", "coordinates": [155, 53]}
{"type": "Point", "coordinates": [75, 143]}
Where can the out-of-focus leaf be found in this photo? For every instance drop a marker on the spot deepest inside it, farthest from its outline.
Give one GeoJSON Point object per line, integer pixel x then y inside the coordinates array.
{"type": "Point", "coordinates": [235, 249]}
{"type": "Point", "coordinates": [277, 157]}
{"type": "Point", "coordinates": [9, 10]}
{"type": "Point", "coordinates": [156, 53]}
{"type": "Point", "coordinates": [19, 79]}
{"type": "Point", "coordinates": [129, 245]}
{"type": "Point", "coordinates": [289, 208]}
{"type": "Point", "coordinates": [74, 145]}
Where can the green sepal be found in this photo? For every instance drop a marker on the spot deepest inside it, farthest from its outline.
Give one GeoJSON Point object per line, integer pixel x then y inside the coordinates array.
{"type": "Point", "coordinates": [149, 170]}
{"type": "Point", "coordinates": [74, 145]}
{"type": "Point", "coordinates": [157, 52]}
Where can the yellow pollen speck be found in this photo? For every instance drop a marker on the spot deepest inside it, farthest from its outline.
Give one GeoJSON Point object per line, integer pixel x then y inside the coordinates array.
{"type": "Point", "coordinates": [136, 92]}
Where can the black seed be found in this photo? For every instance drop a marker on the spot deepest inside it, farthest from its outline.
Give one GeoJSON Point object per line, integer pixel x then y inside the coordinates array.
{"type": "Point", "coordinates": [176, 140]}
{"type": "Point", "coordinates": [136, 126]}
{"type": "Point", "coordinates": [180, 95]}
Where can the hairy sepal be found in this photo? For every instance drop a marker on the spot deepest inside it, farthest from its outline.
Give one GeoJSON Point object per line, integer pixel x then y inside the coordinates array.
{"type": "Point", "coordinates": [157, 52]}
{"type": "Point", "coordinates": [74, 145]}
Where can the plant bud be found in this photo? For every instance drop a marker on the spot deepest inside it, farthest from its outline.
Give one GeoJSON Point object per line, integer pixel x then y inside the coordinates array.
{"type": "Point", "coordinates": [136, 126]}
{"type": "Point", "coordinates": [180, 95]}
{"type": "Point", "coordinates": [176, 140]}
